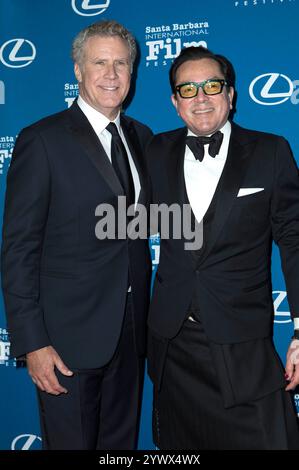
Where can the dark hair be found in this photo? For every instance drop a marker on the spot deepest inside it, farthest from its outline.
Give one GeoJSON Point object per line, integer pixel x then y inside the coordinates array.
{"type": "Point", "coordinates": [197, 53]}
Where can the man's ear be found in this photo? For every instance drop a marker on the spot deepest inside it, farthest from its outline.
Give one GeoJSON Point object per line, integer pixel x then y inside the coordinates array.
{"type": "Point", "coordinates": [77, 71]}
{"type": "Point", "coordinates": [231, 93]}
{"type": "Point", "coordinates": [174, 101]}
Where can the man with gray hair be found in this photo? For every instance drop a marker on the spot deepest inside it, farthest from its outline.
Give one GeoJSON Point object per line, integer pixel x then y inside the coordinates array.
{"type": "Point", "coordinates": [76, 305]}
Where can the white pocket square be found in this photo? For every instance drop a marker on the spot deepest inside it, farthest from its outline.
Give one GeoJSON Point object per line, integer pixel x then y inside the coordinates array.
{"type": "Point", "coordinates": [247, 191]}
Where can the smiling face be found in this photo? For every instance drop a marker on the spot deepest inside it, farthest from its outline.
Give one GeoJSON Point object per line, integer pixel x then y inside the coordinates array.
{"type": "Point", "coordinates": [104, 74]}
{"type": "Point", "coordinates": [203, 114]}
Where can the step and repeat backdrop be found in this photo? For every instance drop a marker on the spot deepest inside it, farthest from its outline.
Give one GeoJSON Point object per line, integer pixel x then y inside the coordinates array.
{"type": "Point", "coordinates": [260, 37]}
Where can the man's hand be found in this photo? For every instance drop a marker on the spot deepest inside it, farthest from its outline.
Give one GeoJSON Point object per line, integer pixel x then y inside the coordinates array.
{"type": "Point", "coordinates": [41, 364]}
{"type": "Point", "coordinates": [292, 365]}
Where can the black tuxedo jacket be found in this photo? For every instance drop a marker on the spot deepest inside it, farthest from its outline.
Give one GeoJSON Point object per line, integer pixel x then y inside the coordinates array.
{"type": "Point", "coordinates": [63, 286]}
{"type": "Point", "coordinates": [232, 275]}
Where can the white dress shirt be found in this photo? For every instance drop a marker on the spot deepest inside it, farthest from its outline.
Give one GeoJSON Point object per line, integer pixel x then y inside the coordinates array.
{"type": "Point", "coordinates": [99, 122]}
{"type": "Point", "coordinates": [202, 178]}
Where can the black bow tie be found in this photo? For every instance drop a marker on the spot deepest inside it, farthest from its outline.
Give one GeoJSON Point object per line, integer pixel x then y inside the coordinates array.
{"type": "Point", "coordinates": [196, 144]}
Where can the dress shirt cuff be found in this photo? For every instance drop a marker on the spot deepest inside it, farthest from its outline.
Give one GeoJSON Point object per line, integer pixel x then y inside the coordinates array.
{"type": "Point", "coordinates": [296, 323]}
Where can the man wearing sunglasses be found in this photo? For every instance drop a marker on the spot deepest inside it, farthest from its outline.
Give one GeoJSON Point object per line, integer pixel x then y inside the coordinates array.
{"type": "Point", "coordinates": [218, 381]}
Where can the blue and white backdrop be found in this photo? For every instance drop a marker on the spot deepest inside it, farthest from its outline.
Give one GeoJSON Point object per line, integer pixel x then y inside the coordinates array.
{"type": "Point", "coordinates": [260, 37]}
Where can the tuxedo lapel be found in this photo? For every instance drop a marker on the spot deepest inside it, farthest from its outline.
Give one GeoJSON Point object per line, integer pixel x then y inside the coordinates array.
{"type": "Point", "coordinates": [175, 153]}
{"type": "Point", "coordinates": [238, 159]}
{"type": "Point", "coordinates": [175, 166]}
{"type": "Point", "coordinates": [85, 136]}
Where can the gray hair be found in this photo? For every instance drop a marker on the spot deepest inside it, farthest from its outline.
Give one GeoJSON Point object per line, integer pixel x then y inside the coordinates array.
{"type": "Point", "coordinates": [106, 28]}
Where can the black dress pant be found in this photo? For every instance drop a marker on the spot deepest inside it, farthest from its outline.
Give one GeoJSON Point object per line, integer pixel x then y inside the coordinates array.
{"type": "Point", "coordinates": [102, 407]}
{"type": "Point", "coordinates": [189, 412]}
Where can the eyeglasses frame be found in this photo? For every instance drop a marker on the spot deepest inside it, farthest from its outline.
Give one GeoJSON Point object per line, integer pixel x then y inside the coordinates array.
{"type": "Point", "coordinates": [201, 85]}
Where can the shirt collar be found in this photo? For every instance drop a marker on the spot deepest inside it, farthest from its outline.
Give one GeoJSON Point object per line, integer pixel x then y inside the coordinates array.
{"type": "Point", "coordinates": [98, 120]}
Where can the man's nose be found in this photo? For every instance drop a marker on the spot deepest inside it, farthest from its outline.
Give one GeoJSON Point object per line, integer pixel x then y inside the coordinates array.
{"type": "Point", "coordinates": [201, 96]}
{"type": "Point", "coordinates": [111, 71]}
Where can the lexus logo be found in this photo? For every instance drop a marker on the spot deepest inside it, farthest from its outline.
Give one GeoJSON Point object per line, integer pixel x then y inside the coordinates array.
{"type": "Point", "coordinates": [26, 442]}
{"type": "Point", "coordinates": [265, 96]}
{"type": "Point", "coordinates": [17, 53]}
{"type": "Point", "coordinates": [83, 7]}
{"type": "Point", "coordinates": [280, 316]}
